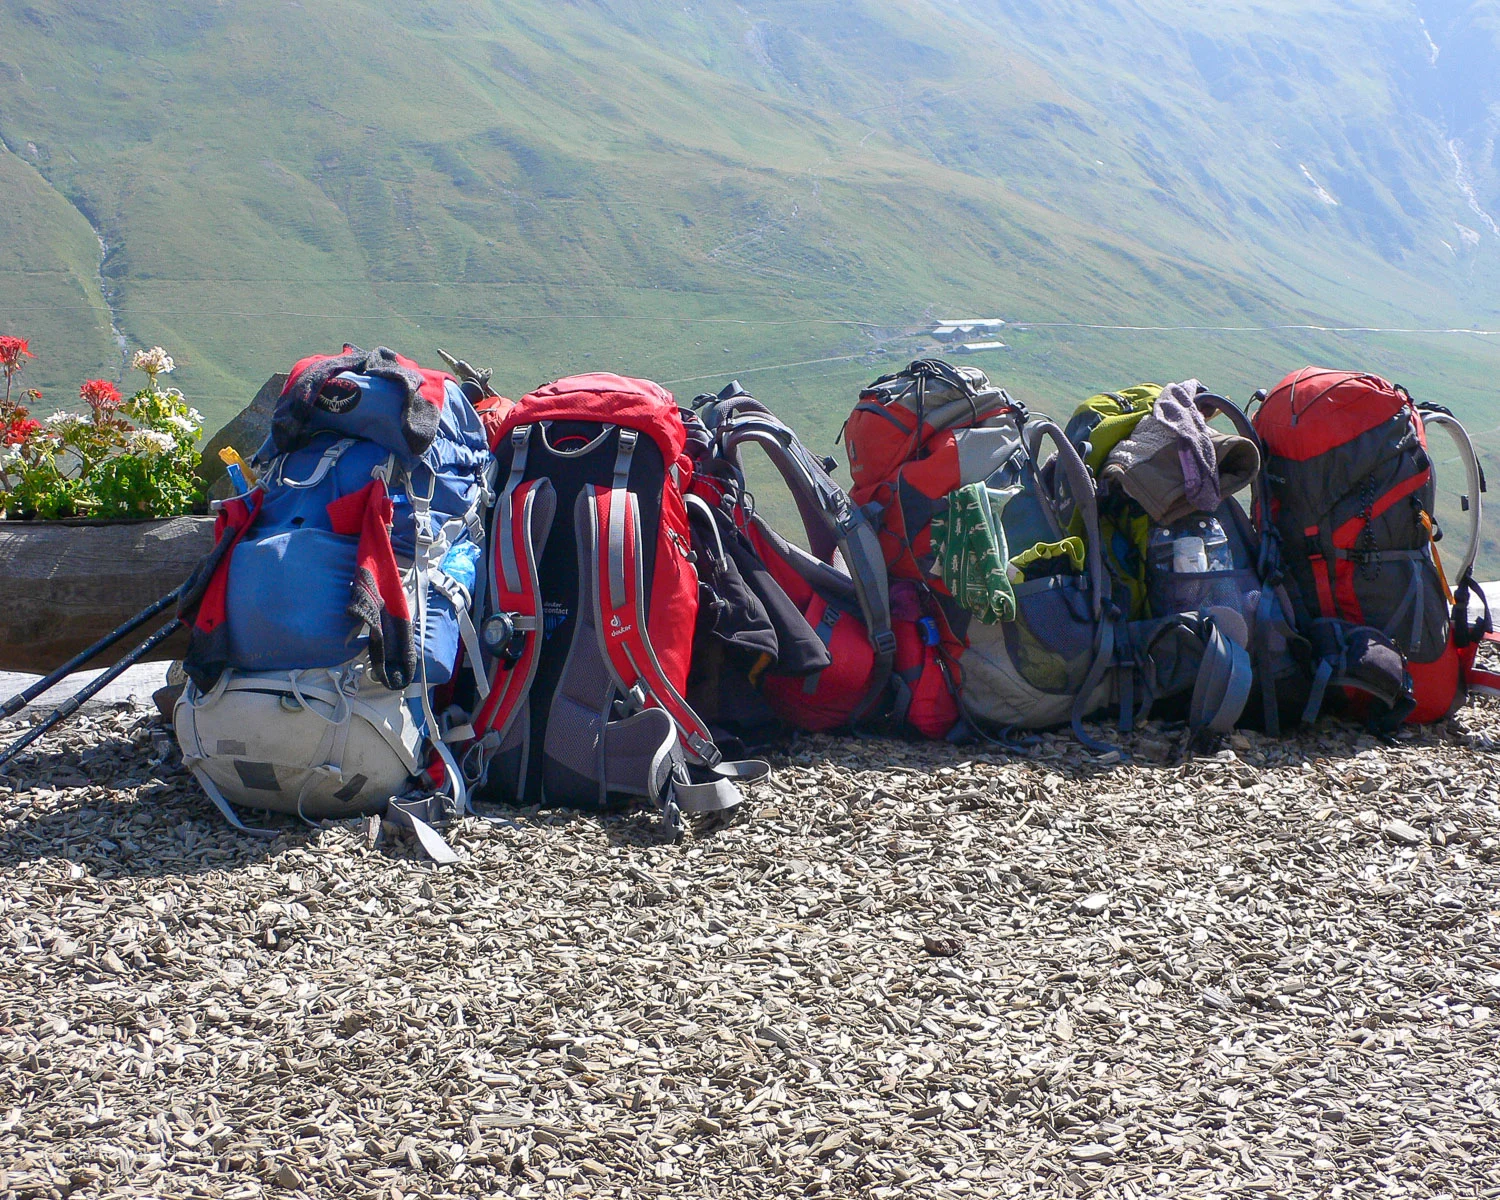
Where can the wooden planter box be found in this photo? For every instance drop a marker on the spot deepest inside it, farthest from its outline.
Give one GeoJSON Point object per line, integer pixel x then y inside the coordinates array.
{"type": "Point", "coordinates": [65, 584]}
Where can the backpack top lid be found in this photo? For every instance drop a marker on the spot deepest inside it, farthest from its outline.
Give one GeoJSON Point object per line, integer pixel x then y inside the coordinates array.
{"type": "Point", "coordinates": [609, 400]}
{"type": "Point", "coordinates": [372, 408]}
{"type": "Point", "coordinates": [1315, 410]}
{"type": "Point", "coordinates": [883, 431]}
{"type": "Point", "coordinates": [328, 391]}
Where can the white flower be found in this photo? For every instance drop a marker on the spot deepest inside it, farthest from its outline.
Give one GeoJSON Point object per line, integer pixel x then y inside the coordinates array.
{"type": "Point", "coordinates": [149, 443]}
{"type": "Point", "coordinates": [180, 422]}
{"type": "Point", "coordinates": [61, 417]}
{"type": "Point", "coordinates": [153, 362]}
{"type": "Point", "coordinates": [9, 455]}
{"type": "Point", "coordinates": [196, 418]}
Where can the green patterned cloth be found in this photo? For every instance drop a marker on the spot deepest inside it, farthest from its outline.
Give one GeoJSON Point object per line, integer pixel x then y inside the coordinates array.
{"type": "Point", "coordinates": [971, 555]}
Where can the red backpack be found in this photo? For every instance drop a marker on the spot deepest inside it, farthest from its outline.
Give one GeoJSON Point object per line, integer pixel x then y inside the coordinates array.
{"type": "Point", "coordinates": [913, 437]}
{"type": "Point", "coordinates": [590, 600]}
{"type": "Point", "coordinates": [832, 596]}
{"type": "Point", "coordinates": [1353, 494]}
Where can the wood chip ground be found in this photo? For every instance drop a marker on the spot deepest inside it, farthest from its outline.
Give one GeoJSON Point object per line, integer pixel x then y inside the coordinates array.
{"type": "Point", "coordinates": [908, 971]}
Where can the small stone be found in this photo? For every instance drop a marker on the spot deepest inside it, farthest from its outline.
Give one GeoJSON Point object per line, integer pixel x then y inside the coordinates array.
{"type": "Point", "coordinates": [288, 1177]}
{"type": "Point", "coordinates": [1092, 1152]}
{"type": "Point", "coordinates": [1093, 905]}
{"type": "Point", "coordinates": [941, 947]}
{"type": "Point", "coordinates": [1400, 831]}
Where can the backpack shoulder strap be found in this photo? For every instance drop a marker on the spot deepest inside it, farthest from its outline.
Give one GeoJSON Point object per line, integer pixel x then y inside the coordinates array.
{"type": "Point", "coordinates": [1260, 513]}
{"type": "Point", "coordinates": [658, 747]}
{"type": "Point", "coordinates": [512, 631]}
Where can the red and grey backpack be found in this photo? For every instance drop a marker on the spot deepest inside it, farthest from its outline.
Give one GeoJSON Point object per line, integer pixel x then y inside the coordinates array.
{"type": "Point", "coordinates": [591, 597]}
{"type": "Point", "coordinates": [1353, 494]}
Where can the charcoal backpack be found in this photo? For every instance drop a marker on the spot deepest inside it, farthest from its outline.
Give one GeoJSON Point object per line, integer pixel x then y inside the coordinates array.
{"type": "Point", "coordinates": [789, 637]}
{"type": "Point", "coordinates": [590, 602]}
{"type": "Point", "coordinates": [1352, 492]}
{"type": "Point", "coordinates": [336, 601]}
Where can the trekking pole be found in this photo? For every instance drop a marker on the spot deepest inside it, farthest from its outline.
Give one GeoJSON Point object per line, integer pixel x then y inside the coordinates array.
{"type": "Point", "coordinates": [467, 374]}
{"type": "Point", "coordinates": [73, 703]}
{"type": "Point", "coordinates": [17, 702]}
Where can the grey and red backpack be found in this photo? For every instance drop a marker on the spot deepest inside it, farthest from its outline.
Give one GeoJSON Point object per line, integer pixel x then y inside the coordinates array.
{"type": "Point", "coordinates": [590, 601]}
{"type": "Point", "coordinates": [1353, 497]}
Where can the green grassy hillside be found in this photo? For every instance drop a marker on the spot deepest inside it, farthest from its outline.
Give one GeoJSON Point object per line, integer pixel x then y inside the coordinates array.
{"type": "Point", "coordinates": [694, 191]}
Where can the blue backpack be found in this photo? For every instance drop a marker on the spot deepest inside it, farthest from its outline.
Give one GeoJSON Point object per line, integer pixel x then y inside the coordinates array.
{"type": "Point", "coordinates": [338, 595]}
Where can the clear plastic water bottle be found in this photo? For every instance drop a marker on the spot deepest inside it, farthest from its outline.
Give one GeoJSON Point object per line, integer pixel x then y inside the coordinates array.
{"type": "Point", "coordinates": [1181, 560]}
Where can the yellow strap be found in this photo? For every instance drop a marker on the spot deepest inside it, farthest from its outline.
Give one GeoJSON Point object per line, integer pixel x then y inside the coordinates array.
{"type": "Point", "coordinates": [761, 663]}
{"type": "Point", "coordinates": [1437, 559]}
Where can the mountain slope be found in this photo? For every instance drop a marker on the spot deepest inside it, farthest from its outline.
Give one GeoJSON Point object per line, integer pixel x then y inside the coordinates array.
{"type": "Point", "coordinates": [694, 190]}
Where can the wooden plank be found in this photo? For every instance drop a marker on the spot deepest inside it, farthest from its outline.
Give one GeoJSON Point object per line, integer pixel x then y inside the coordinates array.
{"type": "Point", "coordinates": [64, 585]}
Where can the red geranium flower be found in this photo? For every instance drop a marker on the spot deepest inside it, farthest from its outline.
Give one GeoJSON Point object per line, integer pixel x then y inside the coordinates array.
{"type": "Point", "coordinates": [12, 351]}
{"type": "Point", "coordinates": [19, 430]}
{"type": "Point", "coordinates": [100, 394]}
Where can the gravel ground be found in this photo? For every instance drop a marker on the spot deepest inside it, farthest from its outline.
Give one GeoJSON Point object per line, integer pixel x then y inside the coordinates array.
{"type": "Point", "coordinates": [909, 970]}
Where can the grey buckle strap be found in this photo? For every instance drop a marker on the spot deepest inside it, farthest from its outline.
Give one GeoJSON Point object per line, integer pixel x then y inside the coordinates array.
{"type": "Point", "coordinates": [1223, 685]}
{"type": "Point", "coordinates": [618, 504]}
{"type": "Point", "coordinates": [224, 806]}
{"type": "Point", "coordinates": [520, 441]}
{"type": "Point", "coordinates": [1104, 658]}
{"type": "Point", "coordinates": [329, 460]}
{"type": "Point", "coordinates": [1319, 689]}
{"type": "Point", "coordinates": [401, 814]}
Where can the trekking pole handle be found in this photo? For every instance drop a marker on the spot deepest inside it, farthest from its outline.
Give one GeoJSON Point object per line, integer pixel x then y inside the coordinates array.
{"type": "Point", "coordinates": [19, 701]}
{"type": "Point", "coordinates": [467, 374]}
{"type": "Point", "coordinates": [73, 703]}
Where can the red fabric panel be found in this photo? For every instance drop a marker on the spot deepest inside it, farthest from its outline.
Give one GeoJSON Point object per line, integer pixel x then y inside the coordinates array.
{"type": "Point", "coordinates": [1347, 534]}
{"type": "Point", "coordinates": [877, 443]}
{"type": "Point", "coordinates": [434, 383]}
{"type": "Point", "coordinates": [840, 687]}
{"type": "Point", "coordinates": [368, 514]}
{"type": "Point", "coordinates": [493, 410]}
{"type": "Point", "coordinates": [792, 583]}
{"type": "Point", "coordinates": [1348, 606]}
{"type": "Point", "coordinates": [934, 711]}
{"type": "Point", "coordinates": [1314, 410]}
{"type": "Point", "coordinates": [506, 691]}
{"type": "Point", "coordinates": [234, 518]}
{"type": "Point", "coordinates": [673, 614]}
{"type": "Point", "coordinates": [937, 474]}
{"type": "Point", "coordinates": [1326, 606]}
{"type": "Point", "coordinates": [1437, 686]}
